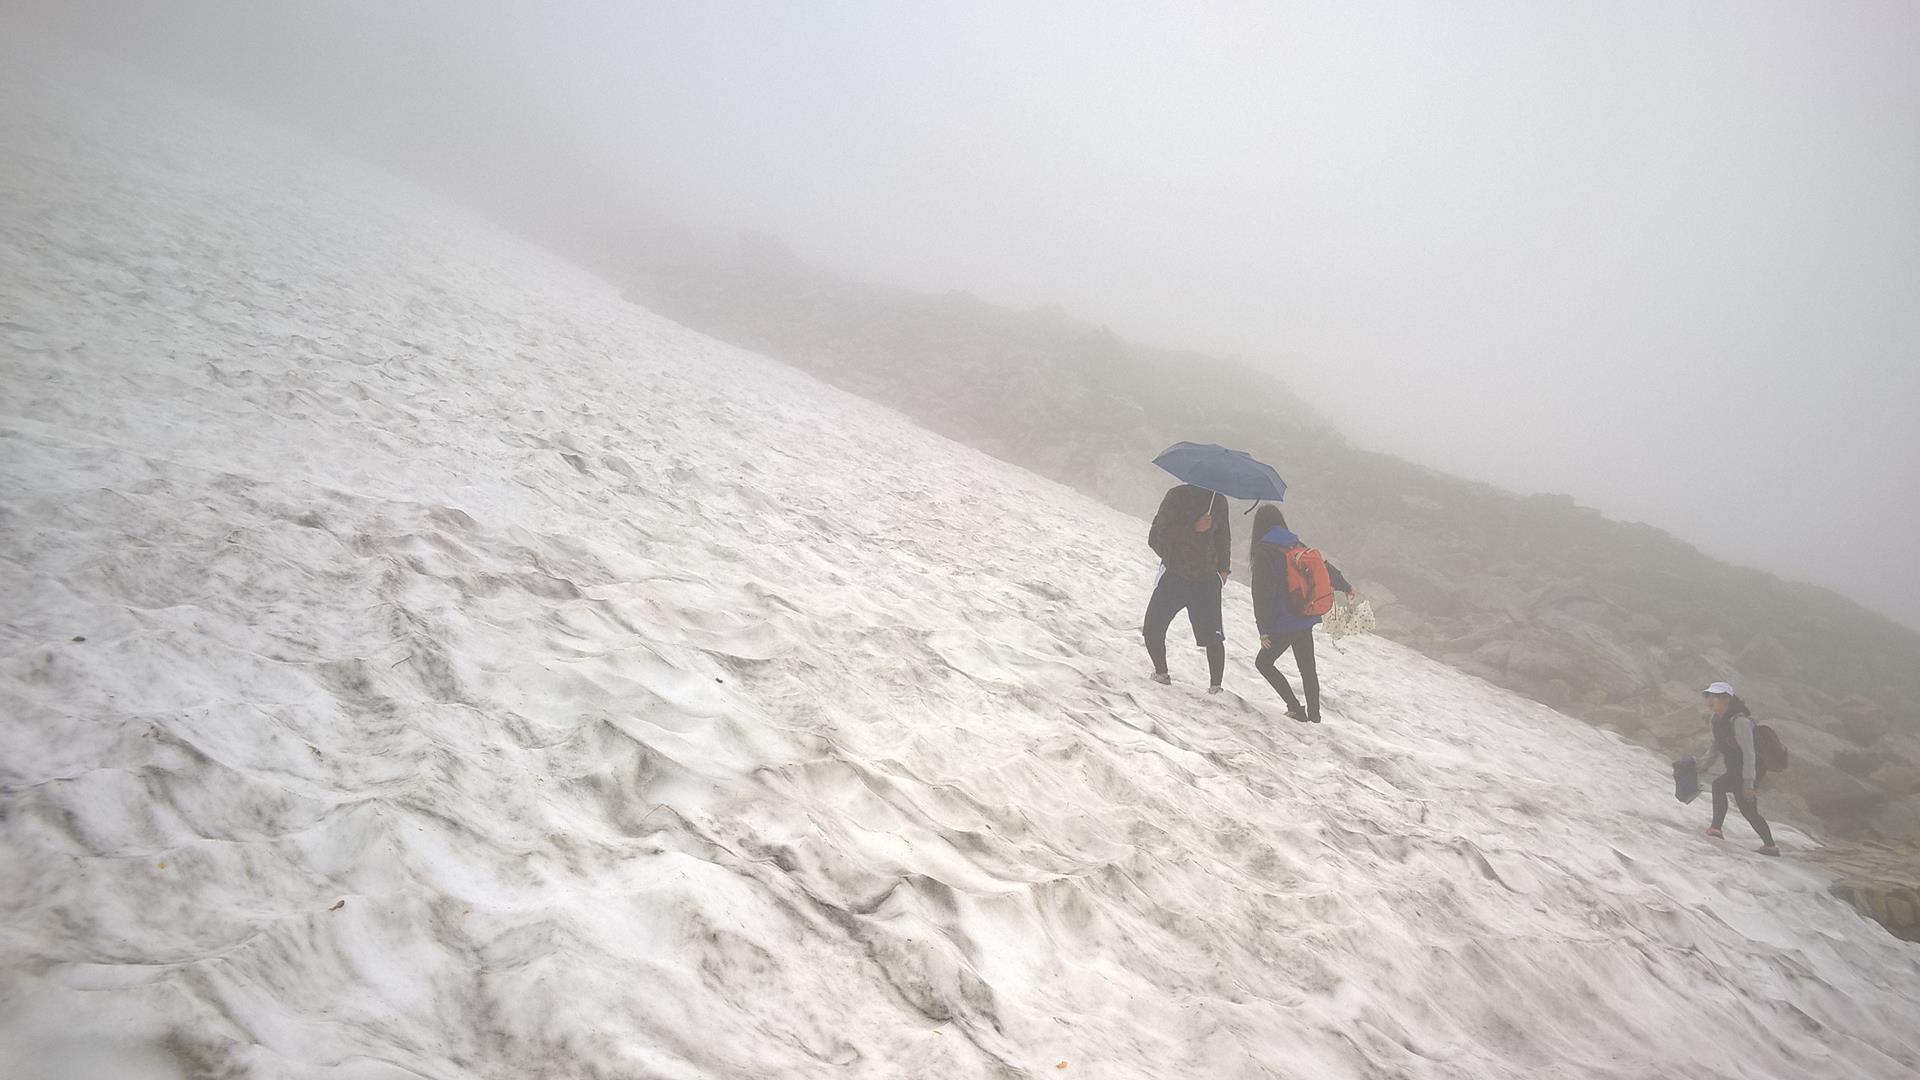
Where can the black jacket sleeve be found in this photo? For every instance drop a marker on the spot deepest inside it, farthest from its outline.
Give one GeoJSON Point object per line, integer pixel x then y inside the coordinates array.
{"type": "Point", "coordinates": [1162, 522]}
{"type": "Point", "coordinates": [1269, 580]}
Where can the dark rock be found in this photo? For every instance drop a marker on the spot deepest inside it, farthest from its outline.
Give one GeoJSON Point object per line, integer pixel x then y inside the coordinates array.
{"type": "Point", "coordinates": [1898, 781]}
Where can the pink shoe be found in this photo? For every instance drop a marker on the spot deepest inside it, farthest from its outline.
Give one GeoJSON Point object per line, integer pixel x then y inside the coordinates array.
{"type": "Point", "coordinates": [1715, 833]}
{"type": "Point", "coordinates": [1769, 849]}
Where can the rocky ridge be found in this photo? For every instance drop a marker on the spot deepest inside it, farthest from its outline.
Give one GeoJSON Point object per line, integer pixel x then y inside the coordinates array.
{"type": "Point", "coordinates": [1614, 622]}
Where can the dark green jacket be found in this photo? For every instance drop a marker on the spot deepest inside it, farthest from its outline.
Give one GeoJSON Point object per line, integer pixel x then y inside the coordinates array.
{"type": "Point", "coordinates": [1192, 555]}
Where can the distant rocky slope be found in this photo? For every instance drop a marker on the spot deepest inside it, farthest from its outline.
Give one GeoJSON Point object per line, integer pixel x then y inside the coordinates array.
{"type": "Point", "coordinates": [1617, 623]}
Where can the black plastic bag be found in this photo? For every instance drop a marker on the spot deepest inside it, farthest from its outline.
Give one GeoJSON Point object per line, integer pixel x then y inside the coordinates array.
{"type": "Point", "coordinates": [1686, 779]}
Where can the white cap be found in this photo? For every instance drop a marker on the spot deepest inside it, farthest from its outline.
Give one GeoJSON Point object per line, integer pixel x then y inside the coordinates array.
{"type": "Point", "coordinates": [1718, 688]}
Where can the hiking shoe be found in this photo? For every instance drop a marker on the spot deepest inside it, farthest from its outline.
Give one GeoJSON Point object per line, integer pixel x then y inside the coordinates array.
{"type": "Point", "coordinates": [1313, 718]}
{"type": "Point", "coordinates": [1213, 689]}
{"type": "Point", "coordinates": [1714, 832]}
{"type": "Point", "coordinates": [1769, 849]}
{"type": "Point", "coordinates": [1162, 678]}
{"type": "Point", "coordinates": [1297, 713]}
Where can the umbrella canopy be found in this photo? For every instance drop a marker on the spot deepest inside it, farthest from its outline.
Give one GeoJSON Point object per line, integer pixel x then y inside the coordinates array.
{"type": "Point", "coordinates": [1233, 473]}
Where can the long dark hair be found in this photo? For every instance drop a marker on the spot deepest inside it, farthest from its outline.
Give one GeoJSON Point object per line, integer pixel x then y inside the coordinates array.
{"type": "Point", "coordinates": [1264, 519]}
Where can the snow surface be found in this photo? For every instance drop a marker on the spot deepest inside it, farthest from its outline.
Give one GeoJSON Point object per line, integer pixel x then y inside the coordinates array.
{"type": "Point", "coordinates": [484, 677]}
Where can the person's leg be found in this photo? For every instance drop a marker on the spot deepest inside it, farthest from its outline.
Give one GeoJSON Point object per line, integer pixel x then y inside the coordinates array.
{"type": "Point", "coordinates": [1309, 673]}
{"type": "Point", "coordinates": [1167, 600]}
{"type": "Point", "coordinates": [1157, 651]}
{"type": "Point", "coordinates": [1264, 662]}
{"type": "Point", "coordinates": [1722, 787]}
{"type": "Point", "coordinates": [1750, 809]}
{"type": "Point", "coordinates": [1209, 629]}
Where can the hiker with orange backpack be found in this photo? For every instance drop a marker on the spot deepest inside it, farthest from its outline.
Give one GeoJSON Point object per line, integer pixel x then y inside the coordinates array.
{"type": "Point", "coordinates": [1734, 739]}
{"type": "Point", "coordinates": [1293, 586]}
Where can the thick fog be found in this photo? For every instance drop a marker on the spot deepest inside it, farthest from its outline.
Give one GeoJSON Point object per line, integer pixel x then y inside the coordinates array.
{"type": "Point", "coordinates": [1662, 257]}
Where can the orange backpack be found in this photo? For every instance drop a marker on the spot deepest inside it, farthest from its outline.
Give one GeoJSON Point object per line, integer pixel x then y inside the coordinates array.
{"type": "Point", "coordinates": [1309, 586]}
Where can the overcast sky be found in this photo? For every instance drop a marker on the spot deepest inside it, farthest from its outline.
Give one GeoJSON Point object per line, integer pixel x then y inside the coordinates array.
{"type": "Point", "coordinates": [1664, 257]}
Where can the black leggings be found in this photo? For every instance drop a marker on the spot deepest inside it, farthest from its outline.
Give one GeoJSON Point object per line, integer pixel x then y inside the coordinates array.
{"type": "Point", "coordinates": [1730, 784]}
{"type": "Point", "coordinates": [1302, 645]}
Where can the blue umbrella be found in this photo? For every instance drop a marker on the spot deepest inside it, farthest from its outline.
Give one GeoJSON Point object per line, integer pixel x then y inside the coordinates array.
{"type": "Point", "coordinates": [1233, 473]}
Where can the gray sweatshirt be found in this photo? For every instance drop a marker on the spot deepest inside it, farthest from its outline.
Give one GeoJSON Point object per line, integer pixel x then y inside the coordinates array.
{"type": "Point", "coordinates": [1743, 739]}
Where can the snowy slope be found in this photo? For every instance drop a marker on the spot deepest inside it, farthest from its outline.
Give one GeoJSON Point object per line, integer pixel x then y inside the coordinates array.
{"type": "Point", "coordinates": [484, 678]}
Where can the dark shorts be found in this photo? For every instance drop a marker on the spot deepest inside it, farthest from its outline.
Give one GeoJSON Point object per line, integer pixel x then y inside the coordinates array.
{"type": "Point", "coordinates": [1200, 600]}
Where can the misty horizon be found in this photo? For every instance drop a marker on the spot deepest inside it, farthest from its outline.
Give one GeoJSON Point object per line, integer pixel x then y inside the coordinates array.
{"type": "Point", "coordinates": [1659, 260]}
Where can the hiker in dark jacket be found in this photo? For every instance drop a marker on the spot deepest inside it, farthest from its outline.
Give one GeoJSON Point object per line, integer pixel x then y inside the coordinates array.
{"type": "Point", "coordinates": [1280, 628]}
{"type": "Point", "coordinates": [1732, 727]}
{"type": "Point", "coordinates": [1191, 536]}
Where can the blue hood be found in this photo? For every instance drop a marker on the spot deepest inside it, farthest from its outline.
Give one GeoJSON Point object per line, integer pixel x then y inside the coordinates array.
{"type": "Point", "coordinates": [1281, 535]}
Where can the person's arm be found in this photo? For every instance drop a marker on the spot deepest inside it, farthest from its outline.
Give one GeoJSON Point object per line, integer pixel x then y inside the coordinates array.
{"type": "Point", "coordinates": [1712, 757]}
{"type": "Point", "coordinates": [1266, 598]}
{"type": "Point", "coordinates": [1162, 521]}
{"type": "Point", "coordinates": [1743, 735]}
{"type": "Point", "coordinates": [1339, 580]}
{"type": "Point", "coordinates": [1222, 534]}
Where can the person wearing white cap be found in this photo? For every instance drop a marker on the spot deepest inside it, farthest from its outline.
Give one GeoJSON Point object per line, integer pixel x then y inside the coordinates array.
{"type": "Point", "coordinates": [1733, 739]}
